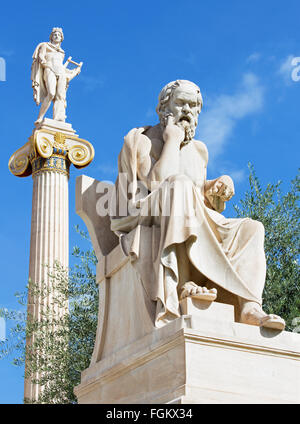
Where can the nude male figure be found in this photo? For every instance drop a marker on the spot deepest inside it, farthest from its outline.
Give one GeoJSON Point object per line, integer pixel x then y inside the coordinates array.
{"type": "Point", "coordinates": [50, 77]}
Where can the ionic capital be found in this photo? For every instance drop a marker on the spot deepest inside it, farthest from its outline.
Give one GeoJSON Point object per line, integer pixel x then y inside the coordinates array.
{"type": "Point", "coordinates": [49, 150]}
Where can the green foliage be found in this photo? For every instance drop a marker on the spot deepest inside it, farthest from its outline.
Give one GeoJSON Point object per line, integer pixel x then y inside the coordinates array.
{"type": "Point", "coordinates": [279, 213]}
{"type": "Point", "coordinates": [60, 348]}
{"type": "Point", "coordinates": [16, 340]}
{"type": "Point", "coordinates": [83, 300]}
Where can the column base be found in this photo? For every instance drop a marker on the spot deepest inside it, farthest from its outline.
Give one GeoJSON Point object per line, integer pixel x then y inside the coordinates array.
{"type": "Point", "coordinates": [203, 357]}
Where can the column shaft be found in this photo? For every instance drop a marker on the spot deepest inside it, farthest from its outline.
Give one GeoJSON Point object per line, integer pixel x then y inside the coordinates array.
{"type": "Point", "coordinates": [49, 243]}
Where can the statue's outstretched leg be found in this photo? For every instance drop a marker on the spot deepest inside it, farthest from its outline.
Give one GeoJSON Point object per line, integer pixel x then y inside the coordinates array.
{"type": "Point", "coordinates": [253, 314]}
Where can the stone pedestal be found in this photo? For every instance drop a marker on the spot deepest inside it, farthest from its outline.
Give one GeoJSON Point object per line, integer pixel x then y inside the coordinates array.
{"type": "Point", "coordinates": [47, 156]}
{"type": "Point", "coordinates": [202, 357]}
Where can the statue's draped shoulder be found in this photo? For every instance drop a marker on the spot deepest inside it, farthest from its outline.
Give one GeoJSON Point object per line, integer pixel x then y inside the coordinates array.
{"type": "Point", "coordinates": [202, 149]}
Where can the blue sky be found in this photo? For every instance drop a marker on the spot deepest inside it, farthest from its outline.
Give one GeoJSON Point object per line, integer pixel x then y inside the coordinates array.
{"type": "Point", "coordinates": [238, 52]}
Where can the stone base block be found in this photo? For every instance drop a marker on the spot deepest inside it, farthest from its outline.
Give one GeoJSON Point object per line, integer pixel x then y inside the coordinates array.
{"type": "Point", "coordinates": [52, 125]}
{"type": "Point", "coordinates": [207, 310]}
{"type": "Point", "coordinates": [201, 358]}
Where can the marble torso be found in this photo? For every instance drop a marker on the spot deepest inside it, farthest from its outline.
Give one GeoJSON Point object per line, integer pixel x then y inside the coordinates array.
{"type": "Point", "coordinates": [54, 59]}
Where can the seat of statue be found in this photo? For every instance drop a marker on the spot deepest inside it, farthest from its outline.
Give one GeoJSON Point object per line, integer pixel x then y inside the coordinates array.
{"type": "Point", "coordinates": [125, 311]}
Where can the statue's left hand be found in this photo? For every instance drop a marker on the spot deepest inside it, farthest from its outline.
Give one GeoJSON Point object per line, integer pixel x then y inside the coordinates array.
{"type": "Point", "coordinates": [72, 73]}
{"type": "Point", "coordinates": [76, 71]}
{"type": "Point", "coordinates": [223, 188]}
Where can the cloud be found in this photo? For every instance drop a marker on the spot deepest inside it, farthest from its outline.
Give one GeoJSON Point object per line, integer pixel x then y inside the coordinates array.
{"type": "Point", "coordinates": [286, 68]}
{"type": "Point", "coordinates": [238, 175]}
{"type": "Point", "coordinates": [254, 57]}
{"type": "Point", "coordinates": [6, 53]}
{"type": "Point", "coordinates": [217, 123]}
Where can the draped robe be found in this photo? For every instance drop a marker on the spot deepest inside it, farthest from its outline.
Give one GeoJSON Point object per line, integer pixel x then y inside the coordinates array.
{"type": "Point", "coordinates": [227, 252]}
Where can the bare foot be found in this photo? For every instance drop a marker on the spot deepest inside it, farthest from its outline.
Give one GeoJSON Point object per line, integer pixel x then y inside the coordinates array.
{"type": "Point", "coordinates": [253, 314]}
{"type": "Point", "coordinates": [191, 289]}
{"type": "Point", "coordinates": [38, 121]}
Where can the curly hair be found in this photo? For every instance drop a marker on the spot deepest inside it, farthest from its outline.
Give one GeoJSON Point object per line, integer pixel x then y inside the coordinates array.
{"type": "Point", "coordinates": [166, 93]}
{"type": "Point", "coordinates": [57, 30]}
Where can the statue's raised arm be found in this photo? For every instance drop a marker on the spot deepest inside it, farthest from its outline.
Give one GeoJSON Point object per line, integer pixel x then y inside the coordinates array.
{"type": "Point", "coordinates": [50, 76]}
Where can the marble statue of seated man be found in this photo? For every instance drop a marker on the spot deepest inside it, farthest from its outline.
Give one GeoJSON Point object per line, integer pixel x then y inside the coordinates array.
{"type": "Point", "coordinates": [172, 227]}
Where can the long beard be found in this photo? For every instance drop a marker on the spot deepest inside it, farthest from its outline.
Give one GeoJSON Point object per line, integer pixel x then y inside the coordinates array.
{"type": "Point", "coordinates": [188, 126]}
{"type": "Point", "coordinates": [189, 129]}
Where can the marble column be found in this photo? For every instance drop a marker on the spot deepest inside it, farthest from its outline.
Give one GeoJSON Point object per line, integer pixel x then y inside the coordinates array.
{"type": "Point", "coordinates": [47, 156]}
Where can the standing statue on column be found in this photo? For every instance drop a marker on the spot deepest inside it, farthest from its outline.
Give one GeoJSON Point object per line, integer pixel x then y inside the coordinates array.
{"type": "Point", "coordinates": [47, 155]}
{"type": "Point", "coordinates": [50, 77]}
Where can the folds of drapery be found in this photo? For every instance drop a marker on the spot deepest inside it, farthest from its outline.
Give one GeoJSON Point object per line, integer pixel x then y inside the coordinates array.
{"type": "Point", "coordinates": [228, 252]}
{"type": "Point", "coordinates": [37, 79]}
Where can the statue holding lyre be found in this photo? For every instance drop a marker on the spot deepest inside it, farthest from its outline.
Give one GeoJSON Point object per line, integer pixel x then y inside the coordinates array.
{"type": "Point", "coordinates": [50, 76]}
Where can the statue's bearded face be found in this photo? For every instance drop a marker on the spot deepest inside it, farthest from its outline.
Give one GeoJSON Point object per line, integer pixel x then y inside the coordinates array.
{"type": "Point", "coordinates": [184, 107]}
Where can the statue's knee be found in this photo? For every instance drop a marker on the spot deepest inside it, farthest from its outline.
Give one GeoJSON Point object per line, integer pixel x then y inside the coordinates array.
{"type": "Point", "coordinates": [60, 97]}
{"type": "Point", "coordinates": [255, 227]}
{"type": "Point", "coordinates": [259, 227]}
{"type": "Point", "coordinates": [51, 95]}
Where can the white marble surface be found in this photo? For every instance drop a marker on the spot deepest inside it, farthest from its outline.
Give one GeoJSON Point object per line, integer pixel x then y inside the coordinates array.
{"type": "Point", "coordinates": [197, 359]}
{"type": "Point", "coordinates": [50, 76]}
{"type": "Point", "coordinates": [186, 245]}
